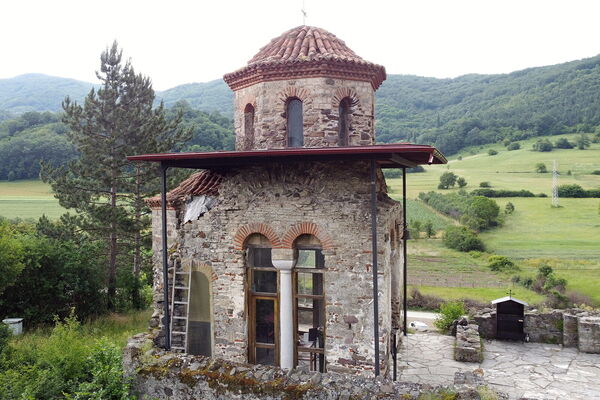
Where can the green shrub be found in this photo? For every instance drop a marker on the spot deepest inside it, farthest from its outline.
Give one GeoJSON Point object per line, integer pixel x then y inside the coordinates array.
{"type": "Point", "coordinates": [462, 238]}
{"type": "Point", "coordinates": [492, 152]}
{"type": "Point", "coordinates": [563, 143]}
{"type": "Point", "coordinates": [485, 184]}
{"type": "Point", "coordinates": [502, 193]}
{"type": "Point", "coordinates": [509, 208]}
{"type": "Point", "coordinates": [449, 312]}
{"type": "Point", "coordinates": [513, 146]}
{"type": "Point", "coordinates": [542, 145]}
{"type": "Point", "coordinates": [5, 335]}
{"type": "Point", "coordinates": [540, 168]}
{"type": "Point", "coordinates": [501, 264]}
{"type": "Point", "coordinates": [596, 172]}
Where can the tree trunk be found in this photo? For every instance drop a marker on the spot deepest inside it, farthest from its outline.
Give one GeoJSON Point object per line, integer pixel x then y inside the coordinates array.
{"type": "Point", "coordinates": [112, 255]}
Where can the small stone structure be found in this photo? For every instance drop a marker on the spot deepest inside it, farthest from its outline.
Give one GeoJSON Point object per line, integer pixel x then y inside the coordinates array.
{"type": "Point", "coordinates": [468, 346]}
{"type": "Point", "coordinates": [571, 327]}
{"type": "Point", "coordinates": [159, 374]}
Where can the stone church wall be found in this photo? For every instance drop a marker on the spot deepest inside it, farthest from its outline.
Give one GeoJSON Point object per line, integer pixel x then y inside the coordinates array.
{"type": "Point", "coordinates": [321, 99]}
{"type": "Point", "coordinates": [331, 201]}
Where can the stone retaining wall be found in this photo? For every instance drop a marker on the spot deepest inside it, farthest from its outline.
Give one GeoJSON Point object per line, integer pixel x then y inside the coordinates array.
{"type": "Point", "coordinates": [468, 344]}
{"type": "Point", "coordinates": [159, 374]}
{"type": "Point", "coordinates": [571, 327]}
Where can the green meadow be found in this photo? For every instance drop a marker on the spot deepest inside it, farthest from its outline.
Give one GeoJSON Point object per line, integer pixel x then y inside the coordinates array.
{"type": "Point", "coordinates": [567, 238]}
{"type": "Point", "coordinates": [28, 199]}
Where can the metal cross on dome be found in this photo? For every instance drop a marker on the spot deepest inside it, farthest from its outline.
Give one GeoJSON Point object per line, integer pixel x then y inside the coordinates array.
{"type": "Point", "coordinates": [304, 15]}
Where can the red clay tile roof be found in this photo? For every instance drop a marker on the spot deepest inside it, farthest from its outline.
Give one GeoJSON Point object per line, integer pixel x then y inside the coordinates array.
{"type": "Point", "coordinates": [304, 52]}
{"type": "Point", "coordinates": [200, 183]}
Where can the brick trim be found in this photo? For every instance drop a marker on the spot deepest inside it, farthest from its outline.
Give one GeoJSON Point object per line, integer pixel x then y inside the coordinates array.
{"type": "Point", "coordinates": [342, 93]}
{"type": "Point", "coordinates": [298, 92]}
{"type": "Point", "coordinates": [306, 228]}
{"type": "Point", "coordinates": [257, 227]}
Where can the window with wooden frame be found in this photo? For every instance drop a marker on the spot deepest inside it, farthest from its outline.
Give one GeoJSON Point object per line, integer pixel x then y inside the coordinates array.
{"type": "Point", "coordinates": [309, 304]}
{"type": "Point", "coordinates": [263, 304]}
{"type": "Point", "coordinates": [344, 121]}
{"type": "Point", "coordinates": [295, 123]}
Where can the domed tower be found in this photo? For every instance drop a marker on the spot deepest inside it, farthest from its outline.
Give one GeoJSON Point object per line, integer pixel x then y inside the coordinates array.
{"type": "Point", "coordinates": [305, 88]}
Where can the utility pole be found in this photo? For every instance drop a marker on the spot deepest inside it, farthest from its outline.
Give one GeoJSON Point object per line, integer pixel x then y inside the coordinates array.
{"type": "Point", "coordinates": [554, 185]}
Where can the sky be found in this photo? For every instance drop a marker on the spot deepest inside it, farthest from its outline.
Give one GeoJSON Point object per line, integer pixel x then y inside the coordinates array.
{"type": "Point", "coordinates": [183, 41]}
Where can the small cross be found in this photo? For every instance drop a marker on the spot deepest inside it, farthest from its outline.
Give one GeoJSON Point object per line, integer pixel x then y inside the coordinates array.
{"type": "Point", "coordinates": [509, 293]}
{"type": "Point", "coordinates": [303, 13]}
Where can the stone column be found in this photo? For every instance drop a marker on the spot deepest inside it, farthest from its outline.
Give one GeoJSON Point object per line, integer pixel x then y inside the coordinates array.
{"type": "Point", "coordinates": [283, 260]}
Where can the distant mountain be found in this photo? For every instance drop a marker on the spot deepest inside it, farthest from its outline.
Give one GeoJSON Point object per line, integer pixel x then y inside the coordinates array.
{"type": "Point", "coordinates": [449, 113]}
{"type": "Point", "coordinates": [38, 92]}
{"type": "Point", "coordinates": [209, 96]}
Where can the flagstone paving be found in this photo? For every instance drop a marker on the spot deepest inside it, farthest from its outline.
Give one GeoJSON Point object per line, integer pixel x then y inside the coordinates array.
{"type": "Point", "coordinates": [531, 370]}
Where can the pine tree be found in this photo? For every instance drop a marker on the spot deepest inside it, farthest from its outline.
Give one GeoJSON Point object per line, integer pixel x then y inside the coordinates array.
{"type": "Point", "coordinates": [104, 188]}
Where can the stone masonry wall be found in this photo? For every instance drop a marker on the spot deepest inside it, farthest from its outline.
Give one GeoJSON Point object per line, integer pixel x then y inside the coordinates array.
{"type": "Point", "coordinates": [320, 98]}
{"type": "Point", "coordinates": [329, 200]}
{"type": "Point", "coordinates": [544, 327]}
{"type": "Point", "coordinates": [157, 374]}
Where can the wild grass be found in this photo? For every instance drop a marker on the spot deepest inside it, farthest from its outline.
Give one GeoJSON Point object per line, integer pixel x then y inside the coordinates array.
{"type": "Point", "coordinates": [482, 294]}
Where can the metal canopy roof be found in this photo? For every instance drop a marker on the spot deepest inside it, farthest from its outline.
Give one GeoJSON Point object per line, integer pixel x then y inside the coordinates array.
{"type": "Point", "coordinates": [396, 155]}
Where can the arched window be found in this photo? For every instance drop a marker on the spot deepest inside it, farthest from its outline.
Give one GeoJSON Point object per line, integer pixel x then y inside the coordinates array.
{"type": "Point", "coordinates": [309, 304]}
{"type": "Point", "coordinates": [295, 123]}
{"type": "Point", "coordinates": [200, 315]}
{"type": "Point", "coordinates": [249, 127]}
{"type": "Point", "coordinates": [263, 321]}
{"type": "Point", "coordinates": [344, 121]}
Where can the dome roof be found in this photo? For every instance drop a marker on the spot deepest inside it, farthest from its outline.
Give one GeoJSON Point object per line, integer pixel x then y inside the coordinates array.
{"type": "Point", "coordinates": [305, 52]}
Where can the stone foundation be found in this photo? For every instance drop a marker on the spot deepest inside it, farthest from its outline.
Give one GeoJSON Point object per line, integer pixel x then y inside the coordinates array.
{"type": "Point", "coordinates": [544, 327]}
{"type": "Point", "coordinates": [159, 374]}
{"type": "Point", "coordinates": [589, 334]}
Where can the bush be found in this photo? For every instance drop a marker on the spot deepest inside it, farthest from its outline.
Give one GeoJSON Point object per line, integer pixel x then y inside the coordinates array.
{"type": "Point", "coordinates": [502, 193]}
{"type": "Point", "coordinates": [414, 229]}
{"type": "Point", "coordinates": [509, 208]}
{"type": "Point", "coordinates": [501, 264]}
{"type": "Point", "coordinates": [596, 172]}
{"type": "Point", "coordinates": [5, 335]}
{"type": "Point", "coordinates": [462, 239]}
{"type": "Point", "coordinates": [429, 231]}
{"type": "Point", "coordinates": [563, 143]}
{"type": "Point", "coordinates": [513, 146]}
{"type": "Point", "coordinates": [449, 312]}
{"type": "Point", "coordinates": [481, 213]}
{"type": "Point", "coordinates": [577, 191]}
{"type": "Point", "coordinates": [423, 301]}
{"type": "Point", "coordinates": [540, 168]}
{"type": "Point", "coordinates": [461, 182]}
{"type": "Point", "coordinates": [543, 145]}
{"type": "Point", "coordinates": [485, 184]}
{"type": "Point", "coordinates": [492, 152]}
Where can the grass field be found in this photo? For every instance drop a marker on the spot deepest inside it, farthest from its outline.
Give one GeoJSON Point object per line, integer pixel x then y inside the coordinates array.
{"type": "Point", "coordinates": [568, 238]}
{"type": "Point", "coordinates": [482, 294]}
{"type": "Point", "coordinates": [28, 199]}
{"type": "Point", "coordinates": [510, 169]}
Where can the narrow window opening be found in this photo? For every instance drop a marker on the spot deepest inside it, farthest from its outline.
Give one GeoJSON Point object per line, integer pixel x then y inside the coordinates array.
{"type": "Point", "coordinates": [263, 320]}
{"type": "Point", "coordinates": [295, 122]}
{"type": "Point", "coordinates": [249, 127]}
{"type": "Point", "coordinates": [310, 304]}
{"type": "Point", "coordinates": [344, 121]}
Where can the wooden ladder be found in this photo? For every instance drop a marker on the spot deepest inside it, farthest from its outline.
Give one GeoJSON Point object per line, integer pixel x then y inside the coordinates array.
{"type": "Point", "coordinates": [180, 290]}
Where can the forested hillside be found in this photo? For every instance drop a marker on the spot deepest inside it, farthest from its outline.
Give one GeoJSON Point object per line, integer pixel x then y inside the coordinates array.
{"type": "Point", "coordinates": [38, 92]}
{"type": "Point", "coordinates": [449, 113]}
{"type": "Point", "coordinates": [33, 136]}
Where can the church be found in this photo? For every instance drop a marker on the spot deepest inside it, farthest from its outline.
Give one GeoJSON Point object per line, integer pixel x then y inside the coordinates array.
{"type": "Point", "coordinates": [288, 251]}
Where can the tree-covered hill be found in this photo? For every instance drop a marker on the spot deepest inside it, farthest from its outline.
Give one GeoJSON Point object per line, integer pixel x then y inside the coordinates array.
{"type": "Point", "coordinates": [477, 109]}
{"type": "Point", "coordinates": [38, 92]}
{"type": "Point", "coordinates": [449, 113]}
{"type": "Point", "coordinates": [208, 96]}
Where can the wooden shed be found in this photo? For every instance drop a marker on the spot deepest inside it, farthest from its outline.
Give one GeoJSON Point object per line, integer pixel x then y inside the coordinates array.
{"type": "Point", "coordinates": [510, 315]}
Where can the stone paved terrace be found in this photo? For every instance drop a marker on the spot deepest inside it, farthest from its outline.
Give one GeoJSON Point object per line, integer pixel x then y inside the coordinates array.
{"type": "Point", "coordinates": [531, 370]}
